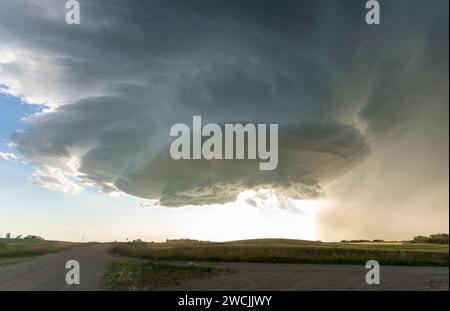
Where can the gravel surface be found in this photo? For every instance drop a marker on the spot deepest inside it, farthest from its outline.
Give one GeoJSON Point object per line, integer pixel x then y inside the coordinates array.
{"type": "Point", "coordinates": [48, 272]}
{"type": "Point", "coordinates": [304, 277]}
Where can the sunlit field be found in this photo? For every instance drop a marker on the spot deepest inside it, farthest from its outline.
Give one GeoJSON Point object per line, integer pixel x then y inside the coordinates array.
{"type": "Point", "coordinates": [10, 248]}
{"type": "Point", "coordinates": [290, 251]}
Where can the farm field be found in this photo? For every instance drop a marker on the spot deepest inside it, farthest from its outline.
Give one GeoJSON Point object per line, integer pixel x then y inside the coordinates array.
{"type": "Point", "coordinates": [15, 250]}
{"type": "Point", "coordinates": [291, 251]}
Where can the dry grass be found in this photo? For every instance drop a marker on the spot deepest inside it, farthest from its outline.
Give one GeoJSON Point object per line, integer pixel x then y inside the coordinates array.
{"type": "Point", "coordinates": [136, 275]}
{"type": "Point", "coordinates": [290, 251]}
{"type": "Point", "coordinates": [16, 248]}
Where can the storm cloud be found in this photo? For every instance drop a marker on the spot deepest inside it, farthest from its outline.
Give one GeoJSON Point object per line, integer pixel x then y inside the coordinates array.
{"type": "Point", "coordinates": [114, 85]}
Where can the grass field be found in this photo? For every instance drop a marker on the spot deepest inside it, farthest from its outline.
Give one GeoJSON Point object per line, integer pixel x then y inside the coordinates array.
{"type": "Point", "coordinates": [291, 251]}
{"type": "Point", "coordinates": [11, 250]}
{"type": "Point", "coordinates": [147, 275]}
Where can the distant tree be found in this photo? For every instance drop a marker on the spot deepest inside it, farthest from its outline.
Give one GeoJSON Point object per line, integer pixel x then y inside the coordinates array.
{"type": "Point", "coordinates": [33, 237]}
{"type": "Point", "coordinates": [439, 238]}
{"type": "Point", "coordinates": [19, 236]}
{"type": "Point", "coordinates": [419, 239]}
{"type": "Point", "coordinates": [8, 235]}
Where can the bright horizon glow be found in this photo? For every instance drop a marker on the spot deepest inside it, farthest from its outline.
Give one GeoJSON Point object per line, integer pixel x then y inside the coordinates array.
{"type": "Point", "coordinates": [94, 216]}
{"type": "Point", "coordinates": [259, 214]}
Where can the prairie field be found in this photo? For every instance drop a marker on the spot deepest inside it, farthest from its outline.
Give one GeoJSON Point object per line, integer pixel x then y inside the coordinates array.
{"type": "Point", "coordinates": [291, 251]}
{"type": "Point", "coordinates": [15, 248]}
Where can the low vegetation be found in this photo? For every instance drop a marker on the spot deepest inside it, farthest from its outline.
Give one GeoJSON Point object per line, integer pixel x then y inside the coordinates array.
{"type": "Point", "coordinates": [440, 238]}
{"type": "Point", "coordinates": [14, 248]}
{"type": "Point", "coordinates": [136, 275]}
{"type": "Point", "coordinates": [290, 251]}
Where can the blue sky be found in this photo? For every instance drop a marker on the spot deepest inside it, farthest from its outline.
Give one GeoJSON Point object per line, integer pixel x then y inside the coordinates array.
{"type": "Point", "coordinates": [27, 208]}
{"type": "Point", "coordinates": [12, 110]}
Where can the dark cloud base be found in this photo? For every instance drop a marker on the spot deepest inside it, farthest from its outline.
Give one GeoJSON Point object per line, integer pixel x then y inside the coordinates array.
{"type": "Point", "coordinates": [308, 153]}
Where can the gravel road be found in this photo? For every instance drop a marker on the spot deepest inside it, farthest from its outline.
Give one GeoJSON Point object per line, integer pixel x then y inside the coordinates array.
{"type": "Point", "coordinates": [48, 272]}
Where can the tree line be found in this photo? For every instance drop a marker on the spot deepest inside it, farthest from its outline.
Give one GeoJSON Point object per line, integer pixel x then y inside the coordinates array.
{"type": "Point", "coordinates": [28, 237]}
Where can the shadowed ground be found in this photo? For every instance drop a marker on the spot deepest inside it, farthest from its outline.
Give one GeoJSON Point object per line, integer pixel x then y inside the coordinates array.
{"type": "Point", "coordinates": [300, 277]}
{"type": "Point", "coordinates": [48, 272]}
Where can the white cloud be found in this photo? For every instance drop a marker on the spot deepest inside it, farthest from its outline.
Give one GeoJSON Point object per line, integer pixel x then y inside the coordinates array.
{"type": "Point", "coordinates": [55, 179]}
{"type": "Point", "coordinates": [8, 156]}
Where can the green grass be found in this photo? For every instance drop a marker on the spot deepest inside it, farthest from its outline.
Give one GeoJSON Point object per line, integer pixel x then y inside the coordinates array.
{"type": "Point", "coordinates": [17, 248]}
{"type": "Point", "coordinates": [135, 276]}
{"type": "Point", "coordinates": [291, 251]}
